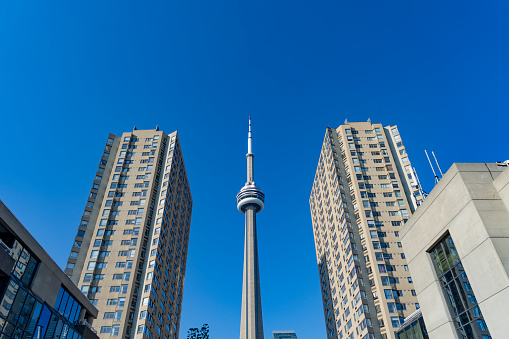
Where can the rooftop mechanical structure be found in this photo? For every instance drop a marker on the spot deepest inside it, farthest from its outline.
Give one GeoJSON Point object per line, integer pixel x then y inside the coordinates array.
{"type": "Point", "coordinates": [250, 200]}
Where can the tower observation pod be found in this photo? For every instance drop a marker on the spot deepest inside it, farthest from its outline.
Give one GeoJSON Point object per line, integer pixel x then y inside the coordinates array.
{"type": "Point", "coordinates": [250, 200]}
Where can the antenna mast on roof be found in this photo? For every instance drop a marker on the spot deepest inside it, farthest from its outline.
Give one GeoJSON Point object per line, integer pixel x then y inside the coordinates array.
{"type": "Point", "coordinates": [439, 169]}
{"type": "Point", "coordinates": [437, 178]}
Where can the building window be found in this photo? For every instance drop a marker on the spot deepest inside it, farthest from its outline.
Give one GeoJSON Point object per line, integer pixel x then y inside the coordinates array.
{"type": "Point", "coordinates": [463, 307]}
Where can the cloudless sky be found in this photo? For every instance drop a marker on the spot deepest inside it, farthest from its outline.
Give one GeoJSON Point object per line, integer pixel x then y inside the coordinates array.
{"type": "Point", "coordinates": [73, 71]}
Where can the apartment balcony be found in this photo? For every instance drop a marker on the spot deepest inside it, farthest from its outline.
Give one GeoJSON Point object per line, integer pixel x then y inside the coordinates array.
{"type": "Point", "coordinates": [6, 260]}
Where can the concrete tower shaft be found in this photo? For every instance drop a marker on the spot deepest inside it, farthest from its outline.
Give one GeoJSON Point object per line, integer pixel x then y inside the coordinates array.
{"type": "Point", "coordinates": [250, 200]}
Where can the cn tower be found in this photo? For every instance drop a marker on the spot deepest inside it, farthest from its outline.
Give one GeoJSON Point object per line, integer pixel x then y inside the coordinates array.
{"type": "Point", "coordinates": [250, 201]}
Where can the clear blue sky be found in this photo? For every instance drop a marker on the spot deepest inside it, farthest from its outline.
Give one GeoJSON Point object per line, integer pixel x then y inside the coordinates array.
{"type": "Point", "coordinates": [73, 71]}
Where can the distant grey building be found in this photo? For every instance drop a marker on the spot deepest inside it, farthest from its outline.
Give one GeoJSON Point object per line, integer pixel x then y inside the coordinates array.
{"type": "Point", "coordinates": [457, 248]}
{"type": "Point", "coordinates": [284, 335]}
{"type": "Point", "coordinates": [38, 300]}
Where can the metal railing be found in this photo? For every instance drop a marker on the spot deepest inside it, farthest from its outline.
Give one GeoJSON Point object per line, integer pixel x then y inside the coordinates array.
{"type": "Point", "coordinates": [5, 247]}
{"type": "Point", "coordinates": [87, 324]}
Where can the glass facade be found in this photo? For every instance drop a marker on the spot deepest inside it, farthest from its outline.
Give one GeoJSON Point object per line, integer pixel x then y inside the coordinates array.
{"type": "Point", "coordinates": [463, 307]}
{"type": "Point", "coordinates": [23, 314]}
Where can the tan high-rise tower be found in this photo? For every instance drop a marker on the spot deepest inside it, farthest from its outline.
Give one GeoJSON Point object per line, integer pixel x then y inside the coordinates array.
{"type": "Point", "coordinates": [250, 201]}
{"type": "Point", "coordinates": [129, 255]}
{"type": "Point", "coordinates": [363, 192]}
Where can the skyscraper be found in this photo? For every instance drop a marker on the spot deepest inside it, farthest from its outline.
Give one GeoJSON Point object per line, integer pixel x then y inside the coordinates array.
{"type": "Point", "coordinates": [363, 192]}
{"type": "Point", "coordinates": [129, 254]}
{"type": "Point", "coordinates": [250, 201]}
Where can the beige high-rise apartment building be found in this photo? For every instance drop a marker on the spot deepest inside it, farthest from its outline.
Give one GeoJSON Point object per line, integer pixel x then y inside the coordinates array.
{"type": "Point", "coordinates": [363, 192]}
{"type": "Point", "coordinates": [129, 254]}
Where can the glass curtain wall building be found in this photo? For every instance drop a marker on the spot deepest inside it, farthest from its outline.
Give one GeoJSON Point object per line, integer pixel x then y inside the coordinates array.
{"type": "Point", "coordinates": [37, 300]}
{"type": "Point", "coordinates": [129, 254]}
{"type": "Point", "coordinates": [363, 192]}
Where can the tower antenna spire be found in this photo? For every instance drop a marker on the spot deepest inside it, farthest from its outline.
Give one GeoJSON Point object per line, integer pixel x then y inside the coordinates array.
{"type": "Point", "coordinates": [249, 140]}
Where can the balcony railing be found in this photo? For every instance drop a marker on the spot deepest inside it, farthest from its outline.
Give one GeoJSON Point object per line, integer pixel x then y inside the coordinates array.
{"type": "Point", "coordinates": [87, 324]}
{"type": "Point", "coordinates": [5, 247]}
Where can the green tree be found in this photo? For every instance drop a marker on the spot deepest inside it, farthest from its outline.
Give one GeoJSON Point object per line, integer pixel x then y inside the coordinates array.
{"type": "Point", "coordinates": [196, 333]}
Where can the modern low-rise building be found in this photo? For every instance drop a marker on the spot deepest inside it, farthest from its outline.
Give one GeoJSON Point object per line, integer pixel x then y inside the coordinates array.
{"type": "Point", "coordinates": [457, 247]}
{"type": "Point", "coordinates": [413, 327]}
{"type": "Point", "coordinates": [363, 192]}
{"type": "Point", "coordinates": [37, 299]}
{"type": "Point", "coordinates": [284, 335]}
{"type": "Point", "coordinates": [130, 251]}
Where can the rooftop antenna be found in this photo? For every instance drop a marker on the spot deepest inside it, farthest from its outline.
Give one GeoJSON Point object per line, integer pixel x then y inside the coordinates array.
{"type": "Point", "coordinates": [437, 178]}
{"type": "Point", "coordinates": [441, 174]}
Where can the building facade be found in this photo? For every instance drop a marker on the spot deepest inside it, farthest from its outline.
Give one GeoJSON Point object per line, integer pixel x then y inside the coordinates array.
{"type": "Point", "coordinates": [37, 300]}
{"type": "Point", "coordinates": [129, 254]}
{"type": "Point", "coordinates": [284, 335]}
{"type": "Point", "coordinates": [457, 249]}
{"type": "Point", "coordinates": [363, 192]}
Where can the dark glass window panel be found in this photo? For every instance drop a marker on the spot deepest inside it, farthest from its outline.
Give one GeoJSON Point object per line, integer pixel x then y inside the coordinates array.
{"type": "Point", "coordinates": [33, 319]}
{"type": "Point", "coordinates": [469, 332]}
{"type": "Point", "coordinates": [482, 325]}
{"type": "Point", "coordinates": [65, 332]}
{"type": "Point", "coordinates": [29, 274]}
{"type": "Point", "coordinates": [455, 309]}
{"type": "Point", "coordinates": [464, 319]}
{"type": "Point", "coordinates": [18, 333]}
{"type": "Point", "coordinates": [471, 298]}
{"type": "Point", "coordinates": [8, 329]}
{"type": "Point", "coordinates": [63, 304]}
{"type": "Point", "coordinates": [448, 277]}
{"type": "Point", "coordinates": [42, 324]}
{"type": "Point", "coordinates": [17, 306]}
{"type": "Point", "coordinates": [59, 298]}
{"type": "Point", "coordinates": [17, 248]}
{"type": "Point", "coordinates": [8, 299]}
{"type": "Point", "coordinates": [58, 329]}
{"type": "Point", "coordinates": [467, 316]}
{"type": "Point", "coordinates": [50, 331]}
{"type": "Point", "coordinates": [442, 259]}
{"type": "Point", "coordinates": [24, 317]}
{"type": "Point", "coordinates": [476, 312]}
{"type": "Point", "coordinates": [75, 312]}
{"type": "Point", "coordinates": [69, 307]}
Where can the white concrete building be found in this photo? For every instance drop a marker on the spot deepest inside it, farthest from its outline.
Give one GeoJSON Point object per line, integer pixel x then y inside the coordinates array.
{"type": "Point", "coordinates": [457, 248]}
